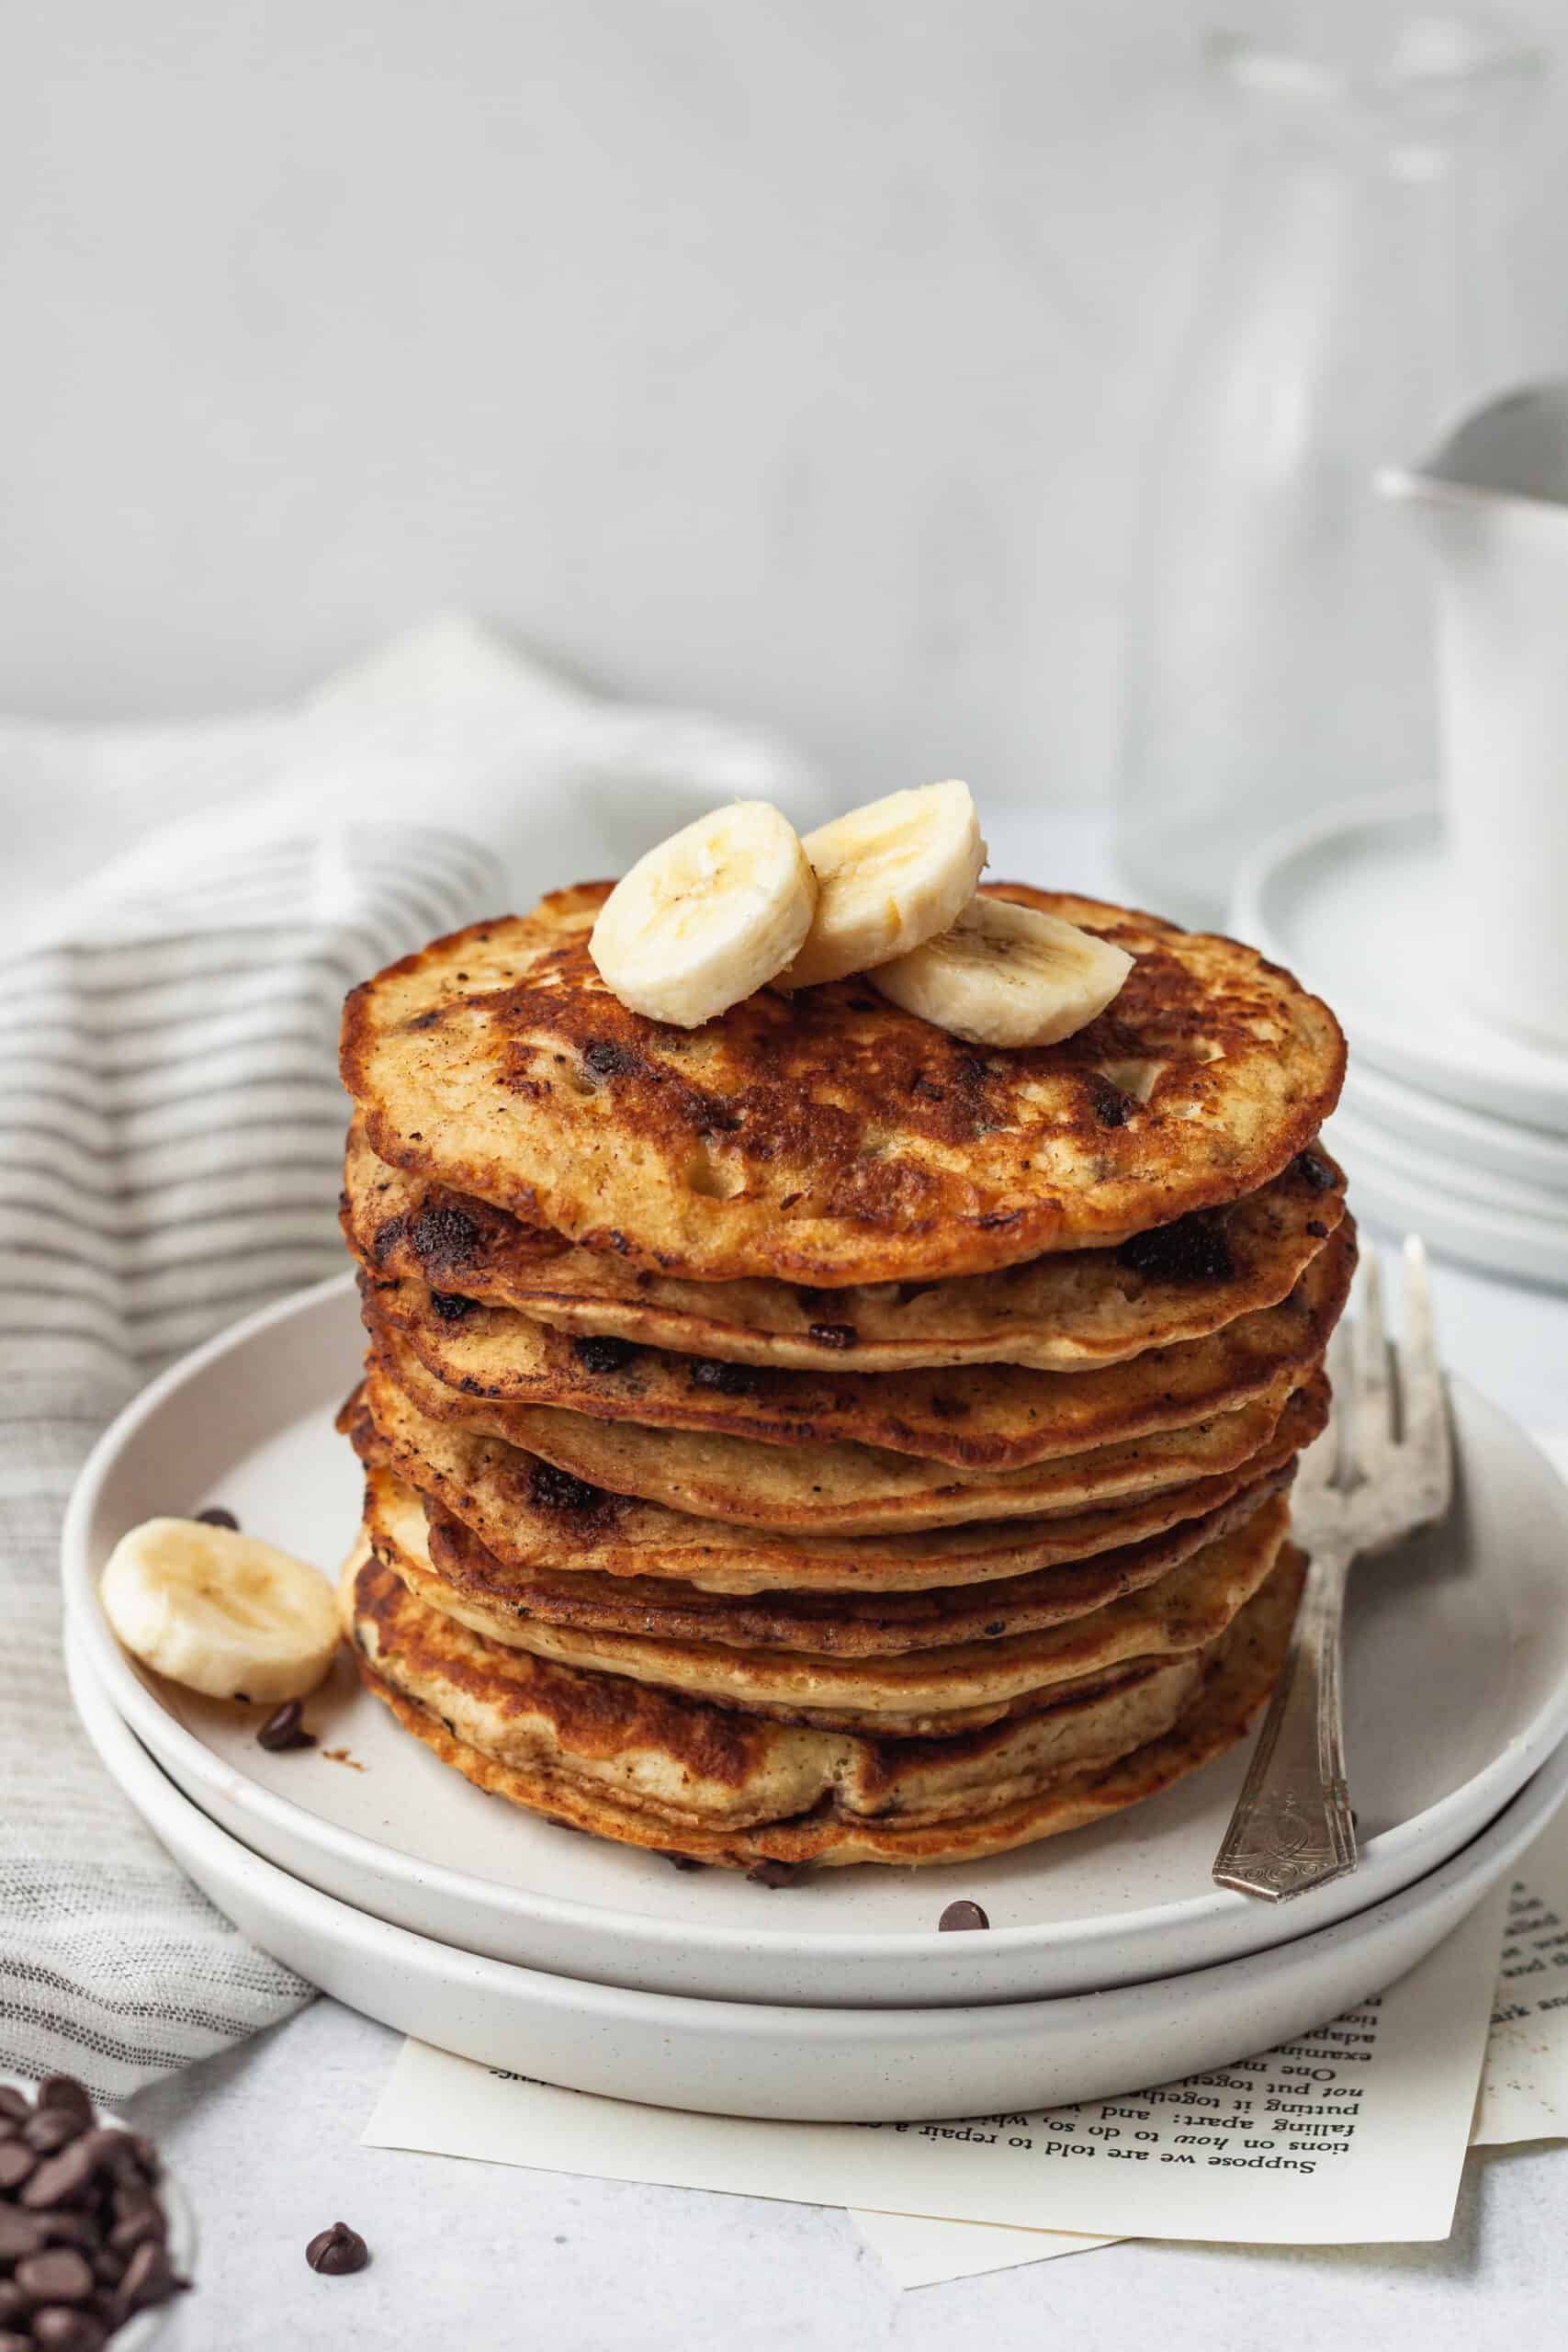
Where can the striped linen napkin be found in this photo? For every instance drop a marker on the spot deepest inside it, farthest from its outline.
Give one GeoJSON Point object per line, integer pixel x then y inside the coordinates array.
{"type": "Point", "coordinates": [170, 1156]}
{"type": "Point", "coordinates": [171, 1135]}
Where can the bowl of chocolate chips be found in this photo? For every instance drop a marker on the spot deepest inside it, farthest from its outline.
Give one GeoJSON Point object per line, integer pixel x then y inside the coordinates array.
{"type": "Point", "coordinates": [96, 2241]}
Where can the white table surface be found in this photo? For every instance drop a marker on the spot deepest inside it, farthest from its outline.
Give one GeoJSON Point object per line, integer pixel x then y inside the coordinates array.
{"type": "Point", "coordinates": [485, 2257]}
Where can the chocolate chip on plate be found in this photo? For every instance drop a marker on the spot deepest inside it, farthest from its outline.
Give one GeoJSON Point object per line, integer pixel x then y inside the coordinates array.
{"type": "Point", "coordinates": [773, 1874]}
{"type": "Point", "coordinates": [338, 2251]}
{"type": "Point", "coordinates": [215, 1516]}
{"type": "Point", "coordinates": [20, 2235]}
{"type": "Point", "coordinates": [14, 2103]}
{"type": "Point", "coordinates": [16, 2161]}
{"type": "Point", "coordinates": [285, 1729]}
{"type": "Point", "coordinates": [963, 1914]}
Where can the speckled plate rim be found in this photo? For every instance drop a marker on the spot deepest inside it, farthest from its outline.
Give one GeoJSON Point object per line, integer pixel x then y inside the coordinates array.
{"type": "Point", "coordinates": [811, 2064]}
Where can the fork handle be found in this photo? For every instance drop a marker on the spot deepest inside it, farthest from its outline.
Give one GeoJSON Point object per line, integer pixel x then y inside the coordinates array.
{"type": "Point", "coordinates": [1291, 1829]}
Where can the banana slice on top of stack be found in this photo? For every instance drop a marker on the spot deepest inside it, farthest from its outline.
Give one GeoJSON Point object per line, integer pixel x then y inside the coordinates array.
{"type": "Point", "coordinates": [736, 901]}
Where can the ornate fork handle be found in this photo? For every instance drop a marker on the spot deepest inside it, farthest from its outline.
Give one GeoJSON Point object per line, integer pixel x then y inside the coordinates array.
{"type": "Point", "coordinates": [1292, 1827]}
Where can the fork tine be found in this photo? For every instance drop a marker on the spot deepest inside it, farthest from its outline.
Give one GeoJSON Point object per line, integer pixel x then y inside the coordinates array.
{"type": "Point", "coordinates": [1337, 1447]}
{"type": "Point", "coordinates": [1373, 1402]}
{"type": "Point", "coordinates": [1424, 1411]}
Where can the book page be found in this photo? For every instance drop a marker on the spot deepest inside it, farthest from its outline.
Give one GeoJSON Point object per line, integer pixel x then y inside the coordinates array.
{"type": "Point", "coordinates": [1356, 2133]}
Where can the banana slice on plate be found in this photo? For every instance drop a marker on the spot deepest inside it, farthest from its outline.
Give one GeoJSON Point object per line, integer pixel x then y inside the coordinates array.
{"type": "Point", "coordinates": [220, 1612]}
{"type": "Point", "coordinates": [1007, 976]}
{"type": "Point", "coordinates": [890, 876]}
{"type": "Point", "coordinates": [708, 917]}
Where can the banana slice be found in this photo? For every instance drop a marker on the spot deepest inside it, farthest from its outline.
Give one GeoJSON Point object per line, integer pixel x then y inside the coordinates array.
{"type": "Point", "coordinates": [890, 876]}
{"type": "Point", "coordinates": [220, 1612]}
{"type": "Point", "coordinates": [708, 917]}
{"type": "Point", "coordinates": [1007, 976]}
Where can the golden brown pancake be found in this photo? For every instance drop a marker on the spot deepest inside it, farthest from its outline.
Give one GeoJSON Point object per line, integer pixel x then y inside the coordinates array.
{"type": "Point", "coordinates": [982, 1417]}
{"type": "Point", "coordinates": [912, 1692]}
{"type": "Point", "coordinates": [1069, 1312]}
{"type": "Point", "coordinates": [829, 1137]}
{"type": "Point", "coordinates": [834, 1489]}
{"type": "Point", "coordinates": [534, 1520]}
{"type": "Point", "coordinates": [604, 1754]}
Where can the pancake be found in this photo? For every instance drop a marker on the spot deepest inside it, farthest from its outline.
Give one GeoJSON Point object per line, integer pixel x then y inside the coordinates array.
{"type": "Point", "coordinates": [535, 1521]}
{"type": "Point", "coordinates": [913, 1692]}
{"type": "Point", "coordinates": [829, 1137]}
{"type": "Point", "coordinates": [840, 1489]}
{"type": "Point", "coordinates": [1074, 1311]}
{"type": "Point", "coordinates": [602, 1754]}
{"type": "Point", "coordinates": [492, 1598]}
{"type": "Point", "coordinates": [983, 1417]}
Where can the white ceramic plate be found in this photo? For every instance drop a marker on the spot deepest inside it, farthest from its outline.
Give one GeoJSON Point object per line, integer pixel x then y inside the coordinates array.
{"type": "Point", "coordinates": [1358, 905]}
{"type": "Point", "coordinates": [1506, 1234]}
{"type": "Point", "coordinates": [1457, 1688]}
{"type": "Point", "coordinates": [1475, 1144]}
{"type": "Point", "coordinates": [811, 2064]}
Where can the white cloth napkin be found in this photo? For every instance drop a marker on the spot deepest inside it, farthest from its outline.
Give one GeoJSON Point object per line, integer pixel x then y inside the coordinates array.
{"type": "Point", "coordinates": [187, 909]}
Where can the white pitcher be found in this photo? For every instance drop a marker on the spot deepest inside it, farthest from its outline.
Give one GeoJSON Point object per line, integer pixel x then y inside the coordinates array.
{"type": "Point", "coordinates": [1494, 500]}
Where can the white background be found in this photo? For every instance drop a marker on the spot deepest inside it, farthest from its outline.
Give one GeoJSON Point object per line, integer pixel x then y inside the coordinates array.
{"type": "Point", "coordinates": [786, 356]}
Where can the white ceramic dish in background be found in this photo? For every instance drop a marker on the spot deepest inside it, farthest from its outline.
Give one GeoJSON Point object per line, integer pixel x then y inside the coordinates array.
{"type": "Point", "coordinates": [1457, 1689]}
{"type": "Point", "coordinates": [1361, 907]}
{"type": "Point", "coordinates": [1446, 1135]}
{"type": "Point", "coordinates": [1498, 1235]}
{"type": "Point", "coordinates": [158, 2326]}
{"type": "Point", "coordinates": [814, 2064]}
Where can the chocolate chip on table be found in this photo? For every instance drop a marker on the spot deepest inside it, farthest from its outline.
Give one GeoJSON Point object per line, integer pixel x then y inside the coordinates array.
{"type": "Point", "coordinates": [52, 2128]}
{"type": "Point", "coordinates": [338, 2251]}
{"type": "Point", "coordinates": [215, 1516]}
{"type": "Point", "coordinates": [59, 2274]}
{"type": "Point", "coordinates": [20, 2235]}
{"type": "Point", "coordinates": [285, 1729]}
{"type": "Point", "coordinates": [963, 1914]}
{"type": "Point", "coordinates": [65, 2091]}
{"type": "Point", "coordinates": [57, 2328]}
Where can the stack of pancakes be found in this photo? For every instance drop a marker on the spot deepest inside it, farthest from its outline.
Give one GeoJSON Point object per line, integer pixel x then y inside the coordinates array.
{"type": "Point", "coordinates": [810, 1438]}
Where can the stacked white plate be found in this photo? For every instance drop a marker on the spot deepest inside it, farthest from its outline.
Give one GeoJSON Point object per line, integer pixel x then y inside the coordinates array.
{"type": "Point", "coordinates": [1449, 1124]}
{"type": "Point", "coordinates": [1113, 1958]}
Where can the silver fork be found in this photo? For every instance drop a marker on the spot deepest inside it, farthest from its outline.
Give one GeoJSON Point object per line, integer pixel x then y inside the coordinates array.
{"type": "Point", "coordinates": [1383, 1469]}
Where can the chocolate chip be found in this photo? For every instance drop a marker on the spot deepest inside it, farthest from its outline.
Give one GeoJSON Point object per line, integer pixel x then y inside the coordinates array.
{"type": "Point", "coordinates": [142, 2226]}
{"type": "Point", "coordinates": [997, 1625]}
{"type": "Point", "coordinates": [1315, 1173]}
{"type": "Point", "coordinates": [215, 1516]}
{"type": "Point", "coordinates": [773, 1874]}
{"type": "Point", "coordinates": [1111, 1106]}
{"type": "Point", "coordinates": [58, 2329]}
{"type": "Point", "coordinates": [679, 1861]}
{"type": "Point", "coordinates": [338, 2251]}
{"type": "Point", "coordinates": [726, 1379]}
{"type": "Point", "coordinates": [11, 2341]}
{"type": "Point", "coordinates": [60, 2180]}
{"type": "Point", "coordinates": [834, 1334]}
{"type": "Point", "coordinates": [555, 1489]}
{"type": "Point", "coordinates": [15, 2307]}
{"type": "Point", "coordinates": [444, 1237]}
{"type": "Point", "coordinates": [451, 1305]}
{"type": "Point", "coordinates": [53, 2127]}
{"type": "Point", "coordinates": [60, 2275]}
{"type": "Point", "coordinates": [16, 2161]}
{"type": "Point", "coordinates": [1317, 1228]}
{"type": "Point", "coordinates": [606, 1059]}
{"type": "Point", "coordinates": [20, 2235]}
{"type": "Point", "coordinates": [14, 2103]}
{"type": "Point", "coordinates": [65, 2090]}
{"type": "Point", "coordinates": [963, 1914]}
{"type": "Point", "coordinates": [1193, 1249]}
{"type": "Point", "coordinates": [69, 2229]}
{"type": "Point", "coordinates": [285, 1729]}
{"type": "Point", "coordinates": [598, 1353]}
{"type": "Point", "coordinates": [148, 2278]}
